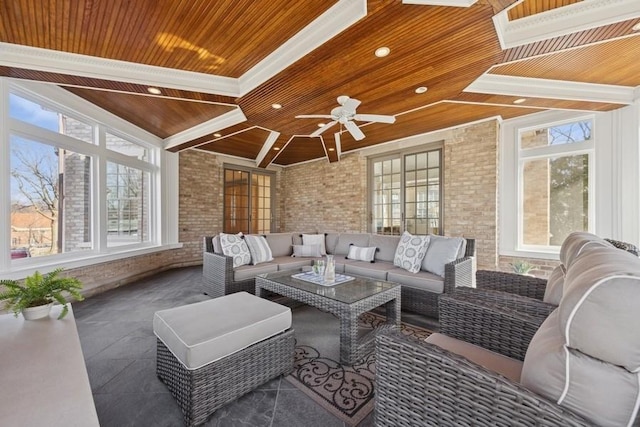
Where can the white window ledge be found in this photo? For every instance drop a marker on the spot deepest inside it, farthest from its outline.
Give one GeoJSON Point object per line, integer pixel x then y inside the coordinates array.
{"type": "Point", "coordinates": [25, 267]}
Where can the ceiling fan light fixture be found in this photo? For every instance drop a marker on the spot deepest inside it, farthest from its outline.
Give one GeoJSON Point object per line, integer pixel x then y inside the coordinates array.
{"type": "Point", "coordinates": [421, 89]}
{"type": "Point", "coordinates": [276, 106]}
{"type": "Point", "coordinates": [519, 100]}
{"type": "Point", "coordinates": [383, 51]}
{"type": "Point", "coordinates": [154, 90]}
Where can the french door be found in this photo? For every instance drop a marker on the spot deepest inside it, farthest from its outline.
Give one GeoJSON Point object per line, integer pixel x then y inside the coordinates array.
{"type": "Point", "coordinates": [248, 201]}
{"type": "Point", "coordinates": [406, 193]}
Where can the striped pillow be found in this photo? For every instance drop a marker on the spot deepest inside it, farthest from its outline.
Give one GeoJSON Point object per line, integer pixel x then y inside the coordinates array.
{"type": "Point", "coordinates": [259, 248]}
{"type": "Point", "coordinates": [303, 251]}
{"type": "Point", "coordinates": [362, 254]}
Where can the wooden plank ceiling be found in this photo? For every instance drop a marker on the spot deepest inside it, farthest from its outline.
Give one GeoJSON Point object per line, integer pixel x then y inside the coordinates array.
{"type": "Point", "coordinates": [444, 49]}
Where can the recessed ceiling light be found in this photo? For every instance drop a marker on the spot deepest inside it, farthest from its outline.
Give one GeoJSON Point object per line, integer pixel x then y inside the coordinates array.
{"type": "Point", "coordinates": [421, 89]}
{"type": "Point", "coordinates": [519, 100]}
{"type": "Point", "coordinates": [331, 149]}
{"type": "Point", "coordinates": [636, 27]}
{"type": "Point", "coordinates": [383, 51]}
{"type": "Point", "coordinates": [154, 90]}
{"type": "Point", "coordinates": [217, 135]}
{"type": "Point", "coordinates": [320, 125]}
{"type": "Point", "coordinates": [276, 106]}
{"type": "Point", "coordinates": [276, 148]}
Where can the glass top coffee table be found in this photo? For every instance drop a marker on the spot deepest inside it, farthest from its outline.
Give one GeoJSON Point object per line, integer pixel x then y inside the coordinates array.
{"type": "Point", "coordinates": [347, 301]}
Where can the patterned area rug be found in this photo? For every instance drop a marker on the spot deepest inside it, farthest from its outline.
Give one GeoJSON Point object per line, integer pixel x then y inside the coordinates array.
{"type": "Point", "coordinates": [345, 391]}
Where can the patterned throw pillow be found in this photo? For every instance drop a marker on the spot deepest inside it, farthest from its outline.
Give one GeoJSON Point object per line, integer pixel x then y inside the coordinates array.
{"type": "Point", "coordinates": [410, 252]}
{"type": "Point", "coordinates": [315, 239]}
{"type": "Point", "coordinates": [259, 248]}
{"type": "Point", "coordinates": [233, 245]}
{"type": "Point", "coordinates": [362, 254]}
{"type": "Point", "coordinates": [302, 251]}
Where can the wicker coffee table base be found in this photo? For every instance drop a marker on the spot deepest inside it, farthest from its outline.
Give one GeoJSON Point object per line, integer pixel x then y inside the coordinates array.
{"type": "Point", "coordinates": [352, 347]}
{"type": "Point", "coordinates": [202, 391]}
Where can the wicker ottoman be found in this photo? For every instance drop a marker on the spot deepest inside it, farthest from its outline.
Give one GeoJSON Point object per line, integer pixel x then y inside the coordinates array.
{"type": "Point", "coordinates": [212, 352]}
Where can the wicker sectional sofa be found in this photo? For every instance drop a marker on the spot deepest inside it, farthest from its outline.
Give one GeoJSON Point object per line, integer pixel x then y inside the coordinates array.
{"type": "Point", "coordinates": [420, 291]}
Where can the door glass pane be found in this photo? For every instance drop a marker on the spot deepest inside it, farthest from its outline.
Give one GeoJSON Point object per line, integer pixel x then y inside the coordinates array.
{"type": "Point", "coordinates": [247, 202]}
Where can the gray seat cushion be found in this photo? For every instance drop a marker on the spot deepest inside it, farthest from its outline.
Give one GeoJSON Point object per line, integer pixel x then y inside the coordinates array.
{"type": "Point", "coordinates": [422, 280]}
{"type": "Point", "coordinates": [496, 362]}
{"type": "Point", "coordinates": [250, 271]}
{"type": "Point", "coordinates": [555, 285]}
{"type": "Point", "coordinates": [293, 263]}
{"type": "Point", "coordinates": [376, 270]}
{"type": "Point", "coordinates": [201, 333]}
{"type": "Point", "coordinates": [573, 244]}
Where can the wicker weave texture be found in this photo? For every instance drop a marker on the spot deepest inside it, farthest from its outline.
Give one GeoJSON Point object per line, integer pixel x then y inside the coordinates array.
{"type": "Point", "coordinates": [420, 384]}
{"type": "Point", "coordinates": [527, 286]}
{"type": "Point", "coordinates": [202, 391]}
{"type": "Point", "coordinates": [218, 276]}
{"type": "Point", "coordinates": [352, 349]}
{"type": "Point", "coordinates": [498, 321]}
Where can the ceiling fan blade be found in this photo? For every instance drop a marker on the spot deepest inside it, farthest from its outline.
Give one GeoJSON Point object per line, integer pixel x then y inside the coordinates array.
{"type": "Point", "coordinates": [313, 116]}
{"type": "Point", "coordinates": [323, 128]}
{"type": "Point", "coordinates": [351, 104]}
{"type": "Point", "coordinates": [377, 118]}
{"type": "Point", "coordinates": [354, 130]}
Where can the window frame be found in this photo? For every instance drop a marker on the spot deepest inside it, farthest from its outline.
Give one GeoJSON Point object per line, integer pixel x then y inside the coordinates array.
{"type": "Point", "coordinates": [511, 176]}
{"type": "Point", "coordinates": [160, 166]}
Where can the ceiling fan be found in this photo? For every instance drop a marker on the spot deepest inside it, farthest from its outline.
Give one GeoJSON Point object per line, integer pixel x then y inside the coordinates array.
{"type": "Point", "coordinates": [345, 114]}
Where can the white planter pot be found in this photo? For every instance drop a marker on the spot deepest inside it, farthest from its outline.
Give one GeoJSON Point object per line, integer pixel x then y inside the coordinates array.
{"type": "Point", "coordinates": [34, 313]}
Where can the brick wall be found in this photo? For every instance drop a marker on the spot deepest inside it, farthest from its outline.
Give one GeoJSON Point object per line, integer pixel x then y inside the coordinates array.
{"type": "Point", "coordinates": [323, 196]}
{"type": "Point", "coordinates": [471, 188]}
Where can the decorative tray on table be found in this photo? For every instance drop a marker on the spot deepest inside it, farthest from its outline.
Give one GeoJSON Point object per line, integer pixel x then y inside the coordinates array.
{"type": "Point", "coordinates": [310, 276]}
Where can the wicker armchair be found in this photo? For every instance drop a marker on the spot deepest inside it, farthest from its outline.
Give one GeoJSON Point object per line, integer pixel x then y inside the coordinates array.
{"type": "Point", "coordinates": [498, 321]}
{"type": "Point", "coordinates": [420, 384]}
{"type": "Point", "coordinates": [217, 269]}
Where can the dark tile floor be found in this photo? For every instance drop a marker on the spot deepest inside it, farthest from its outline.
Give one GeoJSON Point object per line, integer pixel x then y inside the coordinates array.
{"type": "Point", "coordinates": [117, 340]}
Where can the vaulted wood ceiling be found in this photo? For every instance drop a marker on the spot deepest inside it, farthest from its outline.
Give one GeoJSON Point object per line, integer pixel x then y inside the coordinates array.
{"type": "Point", "coordinates": [221, 65]}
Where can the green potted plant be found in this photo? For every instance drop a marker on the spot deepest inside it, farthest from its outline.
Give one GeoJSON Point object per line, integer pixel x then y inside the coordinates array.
{"type": "Point", "coordinates": [522, 267]}
{"type": "Point", "coordinates": [35, 297]}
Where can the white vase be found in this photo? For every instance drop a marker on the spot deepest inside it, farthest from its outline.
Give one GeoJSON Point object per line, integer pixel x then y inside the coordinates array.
{"type": "Point", "coordinates": [34, 313]}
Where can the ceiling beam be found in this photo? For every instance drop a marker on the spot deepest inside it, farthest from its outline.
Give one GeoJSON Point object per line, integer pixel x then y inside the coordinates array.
{"type": "Point", "coordinates": [268, 144]}
{"type": "Point", "coordinates": [455, 3]}
{"type": "Point", "coordinates": [231, 118]}
{"type": "Point", "coordinates": [564, 20]}
{"type": "Point", "coordinates": [554, 89]}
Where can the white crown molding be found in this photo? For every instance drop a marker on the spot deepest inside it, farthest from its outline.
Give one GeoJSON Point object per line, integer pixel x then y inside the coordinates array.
{"type": "Point", "coordinates": [332, 22]}
{"type": "Point", "coordinates": [12, 55]}
{"type": "Point", "coordinates": [563, 20]}
{"type": "Point", "coordinates": [268, 144]}
{"type": "Point", "coordinates": [223, 121]}
{"type": "Point", "coordinates": [555, 89]}
{"type": "Point", "coordinates": [454, 3]}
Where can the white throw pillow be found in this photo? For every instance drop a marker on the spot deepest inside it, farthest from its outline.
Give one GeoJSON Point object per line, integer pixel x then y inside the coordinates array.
{"type": "Point", "coordinates": [233, 245]}
{"type": "Point", "coordinates": [259, 248]}
{"type": "Point", "coordinates": [302, 251]}
{"type": "Point", "coordinates": [315, 239]}
{"type": "Point", "coordinates": [442, 250]}
{"type": "Point", "coordinates": [410, 252]}
{"type": "Point", "coordinates": [362, 254]}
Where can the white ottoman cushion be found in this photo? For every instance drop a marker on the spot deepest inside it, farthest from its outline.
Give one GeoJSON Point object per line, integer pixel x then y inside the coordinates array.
{"type": "Point", "coordinates": [201, 333]}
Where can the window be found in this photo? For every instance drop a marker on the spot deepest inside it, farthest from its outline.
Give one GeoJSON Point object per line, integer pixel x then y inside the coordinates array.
{"type": "Point", "coordinates": [406, 192]}
{"type": "Point", "coordinates": [75, 186]}
{"type": "Point", "coordinates": [247, 201]}
{"type": "Point", "coordinates": [555, 170]}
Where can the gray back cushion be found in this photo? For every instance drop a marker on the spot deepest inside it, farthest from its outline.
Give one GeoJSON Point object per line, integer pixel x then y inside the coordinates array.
{"type": "Point", "coordinates": [601, 392]}
{"type": "Point", "coordinates": [575, 242]}
{"type": "Point", "coordinates": [600, 306]}
{"type": "Point", "coordinates": [331, 240]}
{"type": "Point", "coordinates": [386, 245]}
{"type": "Point", "coordinates": [346, 239]}
{"type": "Point", "coordinates": [281, 244]}
{"type": "Point", "coordinates": [555, 285]}
{"type": "Point", "coordinates": [442, 250]}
